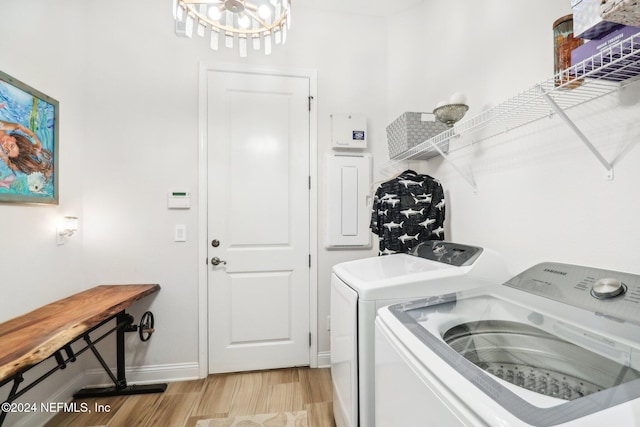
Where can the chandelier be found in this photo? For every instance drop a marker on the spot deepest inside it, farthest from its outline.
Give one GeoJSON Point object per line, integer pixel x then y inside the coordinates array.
{"type": "Point", "coordinates": [258, 23]}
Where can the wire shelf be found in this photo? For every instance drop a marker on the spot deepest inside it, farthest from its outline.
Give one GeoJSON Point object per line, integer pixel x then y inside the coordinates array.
{"type": "Point", "coordinates": [604, 73]}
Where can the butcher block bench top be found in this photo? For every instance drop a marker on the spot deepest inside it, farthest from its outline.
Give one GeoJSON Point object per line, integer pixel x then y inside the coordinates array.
{"type": "Point", "coordinates": [33, 337]}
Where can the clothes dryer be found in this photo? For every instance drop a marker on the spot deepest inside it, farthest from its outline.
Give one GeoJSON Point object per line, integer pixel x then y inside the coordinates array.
{"type": "Point", "coordinates": [359, 288]}
{"type": "Point", "coordinates": [557, 345]}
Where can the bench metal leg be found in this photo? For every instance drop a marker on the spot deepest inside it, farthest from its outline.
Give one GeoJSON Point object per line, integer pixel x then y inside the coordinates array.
{"type": "Point", "coordinates": [120, 387]}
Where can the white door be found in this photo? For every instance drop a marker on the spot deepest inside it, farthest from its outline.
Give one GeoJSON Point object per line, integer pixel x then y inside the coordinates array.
{"type": "Point", "coordinates": [258, 221]}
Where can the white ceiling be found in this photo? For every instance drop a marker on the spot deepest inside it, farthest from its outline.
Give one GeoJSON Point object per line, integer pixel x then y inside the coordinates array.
{"type": "Point", "coordinates": [362, 7]}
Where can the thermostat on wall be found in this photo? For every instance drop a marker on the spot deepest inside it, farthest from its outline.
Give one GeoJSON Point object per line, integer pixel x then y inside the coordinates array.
{"type": "Point", "coordinates": [348, 130]}
{"type": "Point", "coordinates": [179, 200]}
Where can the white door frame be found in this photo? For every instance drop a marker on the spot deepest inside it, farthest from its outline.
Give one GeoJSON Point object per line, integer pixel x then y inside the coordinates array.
{"type": "Point", "coordinates": [203, 290]}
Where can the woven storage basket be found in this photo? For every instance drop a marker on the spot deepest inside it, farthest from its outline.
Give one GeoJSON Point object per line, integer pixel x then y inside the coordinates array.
{"type": "Point", "coordinates": [625, 12]}
{"type": "Point", "coordinates": [409, 130]}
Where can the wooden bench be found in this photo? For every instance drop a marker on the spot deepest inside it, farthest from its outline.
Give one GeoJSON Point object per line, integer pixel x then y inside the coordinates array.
{"type": "Point", "coordinates": [50, 331]}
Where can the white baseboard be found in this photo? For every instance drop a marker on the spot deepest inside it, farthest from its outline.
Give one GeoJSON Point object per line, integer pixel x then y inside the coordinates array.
{"type": "Point", "coordinates": [324, 359]}
{"type": "Point", "coordinates": [165, 373]}
{"type": "Point", "coordinates": [146, 374]}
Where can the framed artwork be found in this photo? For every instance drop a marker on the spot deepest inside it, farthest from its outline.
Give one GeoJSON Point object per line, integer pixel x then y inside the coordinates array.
{"type": "Point", "coordinates": [29, 122]}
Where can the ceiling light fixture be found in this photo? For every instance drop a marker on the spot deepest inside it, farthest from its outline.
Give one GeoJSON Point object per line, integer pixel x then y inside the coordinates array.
{"type": "Point", "coordinates": [237, 22]}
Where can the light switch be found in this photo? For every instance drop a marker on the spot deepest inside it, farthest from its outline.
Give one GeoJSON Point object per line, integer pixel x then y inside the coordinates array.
{"type": "Point", "coordinates": [180, 233]}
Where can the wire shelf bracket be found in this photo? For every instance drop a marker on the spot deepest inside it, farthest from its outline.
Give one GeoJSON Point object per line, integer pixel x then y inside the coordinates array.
{"type": "Point", "coordinates": [560, 112]}
{"type": "Point", "coordinates": [468, 176]}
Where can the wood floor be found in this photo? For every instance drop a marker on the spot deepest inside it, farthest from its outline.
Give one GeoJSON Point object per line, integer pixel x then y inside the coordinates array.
{"type": "Point", "coordinates": [217, 396]}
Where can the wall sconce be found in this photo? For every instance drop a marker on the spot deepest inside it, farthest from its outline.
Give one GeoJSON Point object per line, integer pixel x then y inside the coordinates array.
{"type": "Point", "coordinates": [66, 228]}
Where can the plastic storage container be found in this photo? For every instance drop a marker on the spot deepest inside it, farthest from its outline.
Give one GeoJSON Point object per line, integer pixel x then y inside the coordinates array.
{"type": "Point", "coordinates": [587, 22]}
{"type": "Point", "coordinates": [564, 42]}
{"type": "Point", "coordinates": [625, 12]}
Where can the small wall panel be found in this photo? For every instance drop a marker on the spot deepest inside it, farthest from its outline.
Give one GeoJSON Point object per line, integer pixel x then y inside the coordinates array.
{"type": "Point", "coordinates": [347, 199]}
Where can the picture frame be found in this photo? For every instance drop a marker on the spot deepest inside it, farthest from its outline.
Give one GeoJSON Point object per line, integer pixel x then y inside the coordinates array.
{"type": "Point", "coordinates": [29, 140]}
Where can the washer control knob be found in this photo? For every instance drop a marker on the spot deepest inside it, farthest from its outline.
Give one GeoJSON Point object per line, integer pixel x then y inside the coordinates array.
{"type": "Point", "coordinates": [607, 288]}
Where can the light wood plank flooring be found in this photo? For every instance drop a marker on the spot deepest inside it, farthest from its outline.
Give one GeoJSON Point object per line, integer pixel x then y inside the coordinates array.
{"type": "Point", "coordinates": [217, 396]}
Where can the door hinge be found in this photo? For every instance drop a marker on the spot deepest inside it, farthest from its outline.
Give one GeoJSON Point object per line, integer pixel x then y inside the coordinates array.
{"type": "Point", "coordinates": [309, 260]}
{"type": "Point", "coordinates": [310, 99]}
{"type": "Point", "coordinates": [309, 182]}
{"type": "Point", "coordinates": [309, 339]}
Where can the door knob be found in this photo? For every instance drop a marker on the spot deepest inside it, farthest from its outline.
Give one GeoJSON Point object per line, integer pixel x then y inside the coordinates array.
{"type": "Point", "coordinates": [216, 261]}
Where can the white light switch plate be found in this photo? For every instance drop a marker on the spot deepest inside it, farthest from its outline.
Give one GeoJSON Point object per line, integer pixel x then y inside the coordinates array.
{"type": "Point", "coordinates": [180, 233]}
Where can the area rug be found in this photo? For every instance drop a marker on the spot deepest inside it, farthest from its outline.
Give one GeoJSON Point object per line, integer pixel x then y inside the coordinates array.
{"type": "Point", "coordinates": [280, 419]}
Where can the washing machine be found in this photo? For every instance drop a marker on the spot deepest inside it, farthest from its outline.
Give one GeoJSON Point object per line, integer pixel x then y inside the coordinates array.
{"type": "Point", "coordinates": [557, 345]}
{"type": "Point", "coordinates": [359, 288]}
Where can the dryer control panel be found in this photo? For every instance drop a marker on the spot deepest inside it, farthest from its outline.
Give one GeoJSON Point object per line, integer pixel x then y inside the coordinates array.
{"type": "Point", "coordinates": [613, 293]}
{"type": "Point", "coordinates": [450, 253]}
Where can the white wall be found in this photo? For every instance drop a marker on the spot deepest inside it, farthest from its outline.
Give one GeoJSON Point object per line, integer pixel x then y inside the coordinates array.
{"type": "Point", "coordinates": [44, 52]}
{"type": "Point", "coordinates": [541, 194]}
{"type": "Point", "coordinates": [128, 92]}
{"type": "Point", "coordinates": [35, 270]}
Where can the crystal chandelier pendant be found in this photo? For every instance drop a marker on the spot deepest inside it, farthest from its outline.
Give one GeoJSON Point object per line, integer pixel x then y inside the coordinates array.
{"type": "Point", "coordinates": [201, 28]}
{"type": "Point", "coordinates": [258, 23]}
{"type": "Point", "coordinates": [215, 39]}
{"type": "Point", "coordinates": [178, 14]}
{"type": "Point", "coordinates": [242, 41]}
{"type": "Point", "coordinates": [256, 37]}
{"type": "Point", "coordinates": [267, 44]}
{"type": "Point", "coordinates": [189, 25]}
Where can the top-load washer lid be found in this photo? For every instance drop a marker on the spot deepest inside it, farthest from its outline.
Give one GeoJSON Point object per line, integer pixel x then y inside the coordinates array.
{"type": "Point", "coordinates": [382, 277]}
{"type": "Point", "coordinates": [534, 345]}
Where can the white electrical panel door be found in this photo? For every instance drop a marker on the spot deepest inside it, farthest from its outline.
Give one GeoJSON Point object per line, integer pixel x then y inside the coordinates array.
{"type": "Point", "coordinates": [348, 195]}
